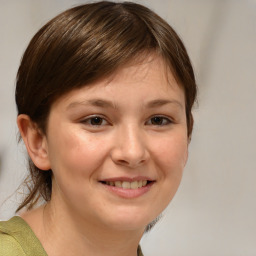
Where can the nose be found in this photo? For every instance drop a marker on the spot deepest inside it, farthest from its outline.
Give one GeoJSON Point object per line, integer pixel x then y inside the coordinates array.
{"type": "Point", "coordinates": [130, 147]}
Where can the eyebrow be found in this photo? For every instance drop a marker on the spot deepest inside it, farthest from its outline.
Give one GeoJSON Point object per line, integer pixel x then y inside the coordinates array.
{"type": "Point", "coordinates": [162, 102]}
{"type": "Point", "coordinates": [93, 102]}
{"type": "Point", "coordinates": [109, 104]}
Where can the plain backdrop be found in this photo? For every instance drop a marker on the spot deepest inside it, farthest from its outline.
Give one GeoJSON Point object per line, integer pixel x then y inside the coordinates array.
{"type": "Point", "coordinates": [214, 210]}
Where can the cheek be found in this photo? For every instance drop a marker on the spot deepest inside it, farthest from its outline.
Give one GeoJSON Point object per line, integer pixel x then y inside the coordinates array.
{"type": "Point", "coordinates": [76, 152]}
{"type": "Point", "coordinates": [171, 153]}
{"type": "Point", "coordinates": [169, 157]}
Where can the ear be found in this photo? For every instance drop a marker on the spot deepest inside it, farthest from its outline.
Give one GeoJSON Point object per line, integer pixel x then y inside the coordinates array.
{"type": "Point", "coordinates": [35, 142]}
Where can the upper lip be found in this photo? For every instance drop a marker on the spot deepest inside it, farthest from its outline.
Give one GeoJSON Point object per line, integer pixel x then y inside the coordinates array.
{"type": "Point", "coordinates": [129, 179]}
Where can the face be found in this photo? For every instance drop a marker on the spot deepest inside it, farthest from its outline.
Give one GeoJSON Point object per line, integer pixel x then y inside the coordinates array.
{"type": "Point", "coordinates": [117, 148]}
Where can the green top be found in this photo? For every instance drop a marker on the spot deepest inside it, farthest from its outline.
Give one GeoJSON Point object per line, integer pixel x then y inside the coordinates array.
{"type": "Point", "coordinates": [18, 239]}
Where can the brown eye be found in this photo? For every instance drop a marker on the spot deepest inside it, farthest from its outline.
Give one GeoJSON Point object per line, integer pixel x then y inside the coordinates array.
{"type": "Point", "coordinates": [159, 121]}
{"type": "Point", "coordinates": [94, 121]}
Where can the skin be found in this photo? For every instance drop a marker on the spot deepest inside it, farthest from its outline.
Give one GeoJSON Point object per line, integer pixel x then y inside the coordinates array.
{"type": "Point", "coordinates": [126, 142]}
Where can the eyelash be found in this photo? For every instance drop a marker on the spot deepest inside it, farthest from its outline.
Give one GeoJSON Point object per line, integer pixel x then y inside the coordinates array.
{"type": "Point", "coordinates": [91, 118]}
{"type": "Point", "coordinates": [102, 121]}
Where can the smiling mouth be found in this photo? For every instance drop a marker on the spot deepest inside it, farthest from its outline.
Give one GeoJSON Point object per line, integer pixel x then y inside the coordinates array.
{"type": "Point", "coordinates": [127, 184]}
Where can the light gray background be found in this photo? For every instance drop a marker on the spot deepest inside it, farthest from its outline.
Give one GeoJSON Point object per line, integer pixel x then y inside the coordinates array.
{"type": "Point", "coordinates": [214, 211]}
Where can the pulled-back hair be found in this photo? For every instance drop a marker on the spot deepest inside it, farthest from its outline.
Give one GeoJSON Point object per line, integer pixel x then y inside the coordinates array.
{"type": "Point", "coordinates": [83, 45]}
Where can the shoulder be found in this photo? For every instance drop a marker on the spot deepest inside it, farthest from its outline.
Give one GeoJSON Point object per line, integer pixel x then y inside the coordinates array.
{"type": "Point", "coordinates": [9, 246]}
{"type": "Point", "coordinates": [17, 238]}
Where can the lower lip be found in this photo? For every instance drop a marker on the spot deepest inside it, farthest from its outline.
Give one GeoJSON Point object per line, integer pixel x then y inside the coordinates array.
{"type": "Point", "coordinates": [129, 193]}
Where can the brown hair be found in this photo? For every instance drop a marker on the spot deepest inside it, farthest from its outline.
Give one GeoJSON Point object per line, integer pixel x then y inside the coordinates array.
{"type": "Point", "coordinates": [85, 44]}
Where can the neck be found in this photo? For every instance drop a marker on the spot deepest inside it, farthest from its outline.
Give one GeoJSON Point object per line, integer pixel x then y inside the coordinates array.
{"type": "Point", "coordinates": [64, 233]}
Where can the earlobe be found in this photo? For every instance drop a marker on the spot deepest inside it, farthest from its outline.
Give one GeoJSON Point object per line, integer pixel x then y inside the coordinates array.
{"type": "Point", "coordinates": [35, 142]}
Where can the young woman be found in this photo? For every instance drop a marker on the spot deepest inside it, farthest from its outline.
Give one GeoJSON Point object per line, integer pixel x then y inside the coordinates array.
{"type": "Point", "coordinates": [104, 96]}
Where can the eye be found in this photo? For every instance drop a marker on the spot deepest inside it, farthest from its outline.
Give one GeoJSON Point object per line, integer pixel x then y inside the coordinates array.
{"type": "Point", "coordinates": [95, 121]}
{"type": "Point", "coordinates": [158, 121]}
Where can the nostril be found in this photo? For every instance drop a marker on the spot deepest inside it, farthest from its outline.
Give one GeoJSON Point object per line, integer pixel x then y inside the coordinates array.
{"type": "Point", "coordinates": [129, 157]}
{"type": "Point", "coordinates": [131, 164]}
{"type": "Point", "coordinates": [123, 162]}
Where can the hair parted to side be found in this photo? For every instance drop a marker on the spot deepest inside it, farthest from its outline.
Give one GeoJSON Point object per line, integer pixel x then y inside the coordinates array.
{"type": "Point", "coordinates": [85, 44]}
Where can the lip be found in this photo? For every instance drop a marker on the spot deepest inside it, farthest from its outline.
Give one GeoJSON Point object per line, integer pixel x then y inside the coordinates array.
{"type": "Point", "coordinates": [128, 193]}
{"type": "Point", "coordinates": [129, 179]}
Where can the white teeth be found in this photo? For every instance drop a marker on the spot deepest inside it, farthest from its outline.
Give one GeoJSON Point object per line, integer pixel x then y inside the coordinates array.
{"type": "Point", "coordinates": [127, 184]}
{"type": "Point", "coordinates": [134, 185]}
{"type": "Point", "coordinates": [118, 184]}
